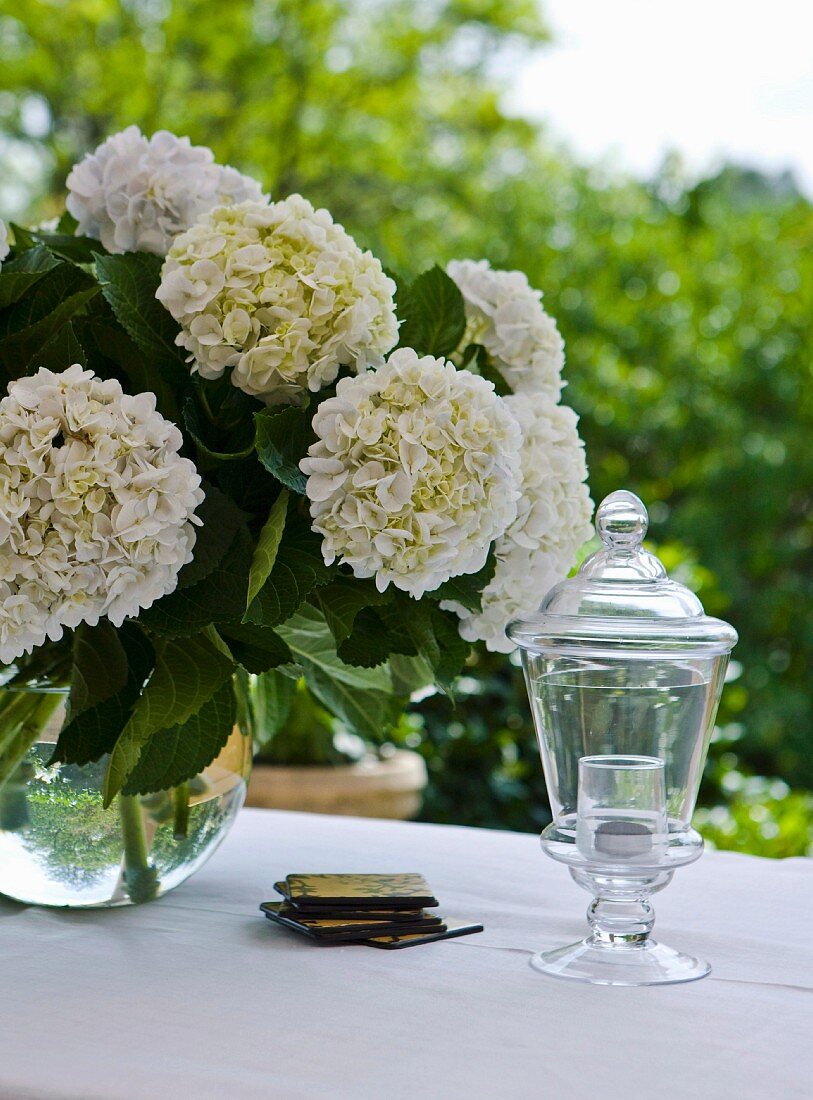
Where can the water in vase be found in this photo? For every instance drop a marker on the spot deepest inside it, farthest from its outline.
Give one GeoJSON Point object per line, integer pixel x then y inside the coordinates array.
{"type": "Point", "coordinates": [650, 710]}
{"type": "Point", "coordinates": [59, 846]}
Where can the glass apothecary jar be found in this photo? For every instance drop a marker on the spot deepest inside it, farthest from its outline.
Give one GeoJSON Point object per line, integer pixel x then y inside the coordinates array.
{"type": "Point", "coordinates": [624, 674]}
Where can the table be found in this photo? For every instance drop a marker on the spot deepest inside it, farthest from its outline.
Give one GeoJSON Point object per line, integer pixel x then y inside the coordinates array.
{"type": "Point", "coordinates": [197, 995]}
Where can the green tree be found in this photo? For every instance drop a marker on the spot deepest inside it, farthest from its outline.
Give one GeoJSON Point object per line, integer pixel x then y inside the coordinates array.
{"type": "Point", "coordinates": [383, 110]}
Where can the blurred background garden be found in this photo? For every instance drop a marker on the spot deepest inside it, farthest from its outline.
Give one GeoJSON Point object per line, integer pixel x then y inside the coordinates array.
{"type": "Point", "coordinates": [686, 305]}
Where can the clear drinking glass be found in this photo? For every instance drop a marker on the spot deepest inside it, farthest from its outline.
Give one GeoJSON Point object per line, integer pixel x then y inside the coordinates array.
{"type": "Point", "coordinates": [621, 810]}
{"type": "Point", "coordinates": [624, 674]}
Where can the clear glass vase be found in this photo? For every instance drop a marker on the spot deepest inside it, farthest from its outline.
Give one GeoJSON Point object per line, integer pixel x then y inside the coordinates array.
{"type": "Point", "coordinates": [59, 846]}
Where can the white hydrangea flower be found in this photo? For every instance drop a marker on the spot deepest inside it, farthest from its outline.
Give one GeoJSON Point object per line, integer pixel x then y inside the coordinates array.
{"type": "Point", "coordinates": [4, 245]}
{"type": "Point", "coordinates": [505, 315]}
{"type": "Point", "coordinates": [135, 194]}
{"type": "Point", "coordinates": [415, 472]}
{"type": "Point", "coordinates": [96, 506]}
{"type": "Point", "coordinates": [553, 520]}
{"type": "Point", "coordinates": [279, 293]}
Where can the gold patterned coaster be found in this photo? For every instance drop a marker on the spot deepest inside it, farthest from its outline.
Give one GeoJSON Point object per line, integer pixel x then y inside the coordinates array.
{"type": "Point", "coordinates": [350, 911]}
{"type": "Point", "coordinates": [342, 931]}
{"type": "Point", "coordinates": [401, 891]}
{"type": "Point", "coordinates": [396, 941]}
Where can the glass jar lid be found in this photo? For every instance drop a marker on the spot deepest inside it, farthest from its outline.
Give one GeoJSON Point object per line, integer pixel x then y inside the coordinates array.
{"type": "Point", "coordinates": [622, 599]}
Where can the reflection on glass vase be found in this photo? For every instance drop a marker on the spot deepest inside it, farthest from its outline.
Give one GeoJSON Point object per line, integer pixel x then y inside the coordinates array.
{"type": "Point", "coordinates": [59, 846]}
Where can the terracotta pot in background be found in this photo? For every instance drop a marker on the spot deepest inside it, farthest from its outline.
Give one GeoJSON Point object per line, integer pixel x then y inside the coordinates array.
{"type": "Point", "coordinates": [390, 788]}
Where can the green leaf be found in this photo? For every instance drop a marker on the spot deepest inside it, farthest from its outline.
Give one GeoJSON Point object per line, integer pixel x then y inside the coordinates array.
{"type": "Point", "coordinates": [67, 224]}
{"type": "Point", "coordinates": [476, 358]}
{"type": "Point", "coordinates": [49, 295]}
{"type": "Point", "coordinates": [370, 643]}
{"type": "Point", "coordinates": [36, 339]}
{"type": "Point", "coordinates": [171, 756]}
{"type": "Point", "coordinates": [308, 637]}
{"type": "Point", "coordinates": [368, 713]}
{"type": "Point", "coordinates": [129, 283]}
{"type": "Point", "coordinates": [434, 314]}
{"type": "Point", "coordinates": [453, 649]}
{"type": "Point", "coordinates": [239, 438]}
{"type": "Point", "coordinates": [213, 635]}
{"type": "Point", "coordinates": [111, 353]}
{"type": "Point", "coordinates": [298, 569]}
{"type": "Point", "coordinates": [14, 284]}
{"type": "Point", "coordinates": [362, 698]}
{"type": "Point", "coordinates": [256, 648]}
{"type": "Point", "coordinates": [77, 250]}
{"type": "Point", "coordinates": [342, 600]}
{"type": "Point", "coordinates": [409, 674]}
{"type": "Point", "coordinates": [416, 619]}
{"type": "Point", "coordinates": [467, 589]}
{"type": "Point", "coordinates": [109, 670]}
{"type": "Point", "coordinates": [219, 598]}
{"type": "Point", "coordinates": [63, 243]}
{"type": "Point", "coordinates": [436, 637]}
{"type": "Point", "coordinates": [265, 553]}
{"type": "Point", "coordinates": [23, 238]}
{"type": "Point", "coordinates": [61, 293]}
{"type": "Point", "coordinates": [283, 438]}
{"type": "Point", "coordinates": [222, 519]}
{"type": "Point", "coordinates": [273, 696]}
{"type": "Point", "coordinates": [62, 351]}
{"type": "Point", "coordinates": [37, 259]}
{"type": "Point", "coordinates": [99, 668]}
{"type": "Point", "coordinates": [249, 483]}
{"type": "Point", "coordinates": [187, 674]}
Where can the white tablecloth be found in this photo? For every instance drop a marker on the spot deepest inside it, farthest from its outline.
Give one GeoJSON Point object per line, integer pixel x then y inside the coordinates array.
{"type": "Point", "coordinates": [197, 995]}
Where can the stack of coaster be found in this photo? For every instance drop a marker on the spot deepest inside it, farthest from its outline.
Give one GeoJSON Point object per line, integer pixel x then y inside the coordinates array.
{"type": "Point", "coordinates": [386, 911]}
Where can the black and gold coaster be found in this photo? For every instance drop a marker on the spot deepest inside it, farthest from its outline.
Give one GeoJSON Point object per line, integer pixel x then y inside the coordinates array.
{"type": "Point", "coordinates": [343, 930]}
{"type": "Point", "coordinates": [351, 912]}
{"type": "Point", "coordinates": [401, 891]}
{"type": "Point", "coordinates": [395, 942]}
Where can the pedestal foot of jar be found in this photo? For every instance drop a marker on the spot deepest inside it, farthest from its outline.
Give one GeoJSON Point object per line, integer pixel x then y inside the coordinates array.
{"type": "Point", "coordinates": [600, 963]}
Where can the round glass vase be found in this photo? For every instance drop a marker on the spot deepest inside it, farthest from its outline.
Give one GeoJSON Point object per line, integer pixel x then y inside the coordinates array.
{"type": "Point", "coordinates": [59, 846]}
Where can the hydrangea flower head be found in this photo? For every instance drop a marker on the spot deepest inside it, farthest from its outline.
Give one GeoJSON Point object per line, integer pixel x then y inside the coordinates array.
{"type": "Point", "coordinates": [96, 506]}
{"type": "Point", "coordinates": [505, 315]}
{"type": "Point", "coordinates": [553, 520]}
{"type": "Point", "coordinates": [414, 474]}
{"type": "Point", "coordinates": [135, 194]}
{"type": "Point", "coordinates": [279, 293]}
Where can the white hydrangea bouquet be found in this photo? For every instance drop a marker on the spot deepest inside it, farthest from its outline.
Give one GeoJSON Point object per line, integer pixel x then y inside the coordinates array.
{"type": "Point", "coordinates": [232, 446]}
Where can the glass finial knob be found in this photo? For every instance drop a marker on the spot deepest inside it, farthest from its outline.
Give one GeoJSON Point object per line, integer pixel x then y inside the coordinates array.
{"type": "Point", "coordinates": [622, 521]}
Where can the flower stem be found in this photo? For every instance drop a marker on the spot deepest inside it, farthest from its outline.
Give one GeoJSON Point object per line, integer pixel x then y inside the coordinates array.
{"type": "Point", "coordinates": [24, 715]}
{"type": "Point", "coordinates": [139, 874]}
{"type": "Point", "coordinates": [15, 708]}
{"type": "Point", "coordinates": [26, 722]}
{"type": "Point", "coordinates": [207, 408]}
{"type": "Point", "coordinates": [180, 803]}
{"type": "Point", "coordinates": [14, 813]}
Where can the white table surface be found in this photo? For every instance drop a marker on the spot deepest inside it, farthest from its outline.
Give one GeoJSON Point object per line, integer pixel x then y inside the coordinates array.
{"type": "Point", "coordinates": [197, 995]}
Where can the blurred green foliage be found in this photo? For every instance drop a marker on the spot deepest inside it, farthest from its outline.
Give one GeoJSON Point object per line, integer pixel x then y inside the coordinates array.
{"type": "Point", "coordinates": [687, 308]}
{"type": "Point", "coordinates": [759, 815]}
